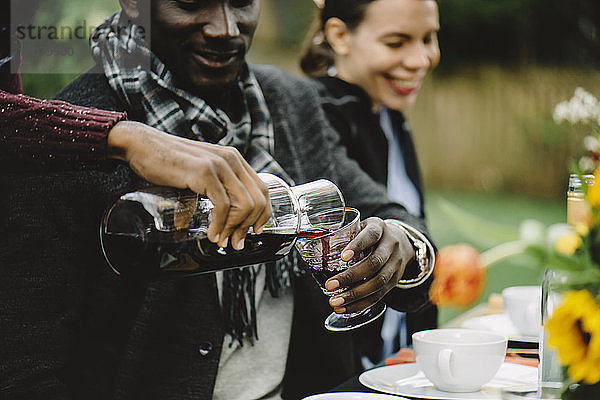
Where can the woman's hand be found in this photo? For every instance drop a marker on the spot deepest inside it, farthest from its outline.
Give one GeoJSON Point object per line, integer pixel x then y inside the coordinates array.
{"type": "Point", "coordinates": [372, 278]}
{"type": "Point", "coordinates": [218, 172]}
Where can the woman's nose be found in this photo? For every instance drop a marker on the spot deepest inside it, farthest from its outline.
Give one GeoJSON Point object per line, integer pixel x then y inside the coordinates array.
{"type": "Point", "coordinates": [418, 56]}
{"type": "Point", "coordinates": [223, 22]}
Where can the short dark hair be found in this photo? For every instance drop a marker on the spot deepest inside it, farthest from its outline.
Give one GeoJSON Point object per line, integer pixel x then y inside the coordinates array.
{"type": "Point", "coordinates": [317, 55]}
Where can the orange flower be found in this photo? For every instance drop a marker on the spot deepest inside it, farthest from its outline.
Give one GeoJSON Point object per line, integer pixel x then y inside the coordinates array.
{"type": "Point", "coordinates": [459, 276]}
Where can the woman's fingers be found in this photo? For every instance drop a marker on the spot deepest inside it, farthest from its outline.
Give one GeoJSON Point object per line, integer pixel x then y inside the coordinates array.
{"type": "Point", "coordinates": [371, 279]}
{"type": "Point", "coordinates": [371, 233]}
{"type": "Point", "coordinates": [369, 290]}
{"type": "Point", "coordinates": [369, 236]}
{"type": "Point", "coordinates": [359, 305]}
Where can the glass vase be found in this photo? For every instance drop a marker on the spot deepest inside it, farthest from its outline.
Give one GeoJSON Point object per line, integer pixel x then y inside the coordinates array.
{"type": "Point", "coordinates": [550, 371]}
{"type": "Point", "coordinates": [553, 382]}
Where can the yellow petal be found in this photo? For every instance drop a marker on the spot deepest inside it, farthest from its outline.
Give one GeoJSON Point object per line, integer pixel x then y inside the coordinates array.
{"type": "Point", "coordinates": [568, 243]}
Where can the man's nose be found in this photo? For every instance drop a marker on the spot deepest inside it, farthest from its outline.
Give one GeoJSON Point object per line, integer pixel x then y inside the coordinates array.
{"type": "Point", "coordinates": [223, 22]}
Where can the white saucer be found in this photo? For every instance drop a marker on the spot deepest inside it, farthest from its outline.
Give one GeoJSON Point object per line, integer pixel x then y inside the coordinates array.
{"type": "Point", "coordinates": [499, 323]}
{"type": "Point", "coordinates": [353, 396]}
{"type": "Point", "coordinates": [408, 380]}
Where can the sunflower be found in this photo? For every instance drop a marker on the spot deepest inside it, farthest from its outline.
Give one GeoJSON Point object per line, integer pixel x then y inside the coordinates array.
{"type": "Point", "coordinates": [574, 330]}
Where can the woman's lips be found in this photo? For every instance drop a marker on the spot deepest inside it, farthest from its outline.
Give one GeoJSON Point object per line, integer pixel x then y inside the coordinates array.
{"type": "Point", "coordinates": [215, 59]}
{"type": "Point", "coordinates": [403, 87]}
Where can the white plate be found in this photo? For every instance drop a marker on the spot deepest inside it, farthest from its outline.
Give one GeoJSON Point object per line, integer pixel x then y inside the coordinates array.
{"type": "Point", "coordinates": [408, 380]}
{"type": "Point", "coordinates": [499, 323]}
{"type": "Point", "coordinates": [353, 396]}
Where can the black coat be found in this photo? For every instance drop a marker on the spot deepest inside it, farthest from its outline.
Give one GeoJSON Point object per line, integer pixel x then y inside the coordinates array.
{"type": "Point", "coordinates": [349, 110]}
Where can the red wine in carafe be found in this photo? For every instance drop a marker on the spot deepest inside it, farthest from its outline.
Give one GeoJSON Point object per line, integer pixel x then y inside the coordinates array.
{"type": "Point", "coordinates": [132, 256]}
{"type": "Point", "coordinates": [159, 230]}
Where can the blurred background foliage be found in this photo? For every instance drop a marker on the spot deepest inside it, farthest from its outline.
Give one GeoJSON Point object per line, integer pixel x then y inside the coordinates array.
{"type": "Point", "coordinates": [61, 69]}
{"type": "Point", "coordinates": [483, 122]}
{"type": "Point", "coordinates": [485, 116]}
{"type": "Point", "coordinates": [555, 32]}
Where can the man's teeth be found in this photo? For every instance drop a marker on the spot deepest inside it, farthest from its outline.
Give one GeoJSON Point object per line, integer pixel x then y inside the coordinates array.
{"type": "Point", "coordinates": [217, 57]}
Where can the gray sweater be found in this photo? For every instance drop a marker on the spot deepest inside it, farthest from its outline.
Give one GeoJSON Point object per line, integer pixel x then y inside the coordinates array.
{"type": "Point", "coordinates": [72, 329]}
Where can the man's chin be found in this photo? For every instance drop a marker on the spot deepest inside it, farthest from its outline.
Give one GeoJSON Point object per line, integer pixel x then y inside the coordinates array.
{"type": "Point", "coordinates": [200, 82]}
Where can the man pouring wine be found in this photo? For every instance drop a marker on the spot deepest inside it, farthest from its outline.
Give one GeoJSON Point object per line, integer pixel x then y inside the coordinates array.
{"type": "Point", "coordinates": [214, 335]}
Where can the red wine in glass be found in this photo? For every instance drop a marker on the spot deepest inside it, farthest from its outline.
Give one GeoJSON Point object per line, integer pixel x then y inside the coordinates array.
{"type": "Point", "coordinates": [321, 250]}
{"type": "Point", "coordinates": [325, 263]}
{"type": "Point", "coordinates": [323, 273]}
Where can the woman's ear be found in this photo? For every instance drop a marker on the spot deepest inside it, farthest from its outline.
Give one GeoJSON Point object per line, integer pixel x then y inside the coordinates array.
{"type": "Point", "coordinates": [337, 35]}
{"type": "Point", "coordinates": [130, 7]}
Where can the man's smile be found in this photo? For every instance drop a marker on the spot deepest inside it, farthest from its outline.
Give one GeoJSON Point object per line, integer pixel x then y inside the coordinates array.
{"type": "Point", "coordinates": [215, 59]}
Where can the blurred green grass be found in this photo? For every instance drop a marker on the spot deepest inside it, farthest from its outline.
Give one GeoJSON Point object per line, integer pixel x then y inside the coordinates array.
{"type": "Point", "coordinates": [504, 212]}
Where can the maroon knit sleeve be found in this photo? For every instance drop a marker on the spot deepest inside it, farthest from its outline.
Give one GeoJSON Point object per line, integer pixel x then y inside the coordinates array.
{"type": "Point", "coordinates": [53, 134]}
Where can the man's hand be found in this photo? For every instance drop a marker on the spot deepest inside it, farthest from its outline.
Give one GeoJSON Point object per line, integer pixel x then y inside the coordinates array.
{"type": "Point", "coordinates": [373, 277]}
{"type": "Point", "coordinates": [218, 172]}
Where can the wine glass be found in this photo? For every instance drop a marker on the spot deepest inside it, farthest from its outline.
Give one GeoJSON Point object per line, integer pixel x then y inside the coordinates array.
{"type": "Point", "coordinates": [316, 197]}
{"type": "Point", "coordinates": [321, 249]}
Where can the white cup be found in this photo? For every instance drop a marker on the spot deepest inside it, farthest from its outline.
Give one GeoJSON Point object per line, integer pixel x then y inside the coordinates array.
{"type": "Point", "coordinates": [459, 360]}
{"type": "Point", "coordinates": [522, 304]}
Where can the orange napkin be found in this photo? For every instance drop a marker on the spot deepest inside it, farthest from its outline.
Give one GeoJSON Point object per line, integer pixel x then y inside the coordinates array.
{"type": "Point", "coordinates": [530, 362]}
{"type": "Point", "coordinates": [404, 356]}
{"type": "Point", "coordinates": [408, 356]}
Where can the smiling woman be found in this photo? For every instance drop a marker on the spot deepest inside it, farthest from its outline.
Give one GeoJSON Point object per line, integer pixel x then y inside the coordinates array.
{"type": "Point", "coordinates": [369, 59]}
{"type": "Point", "coordinates": [386, 47]}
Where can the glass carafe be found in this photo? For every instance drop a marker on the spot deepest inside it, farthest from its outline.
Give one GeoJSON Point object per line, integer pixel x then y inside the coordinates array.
{"type": "Point", "coordinates": [161, 232]}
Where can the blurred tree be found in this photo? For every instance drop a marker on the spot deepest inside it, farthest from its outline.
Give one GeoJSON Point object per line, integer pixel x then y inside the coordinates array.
{"type": "Point", "coordinates": [566, 31]}
{"type": "Point", "coordinates": [293, 18]}
{"type": "Point", "coordinates": [563, 32]}
{"type": "Point", "coordinates": [509, 32]}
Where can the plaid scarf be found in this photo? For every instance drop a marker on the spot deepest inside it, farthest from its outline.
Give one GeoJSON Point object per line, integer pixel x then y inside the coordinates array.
{"type": "Point", "coordinates": [144, 83]}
